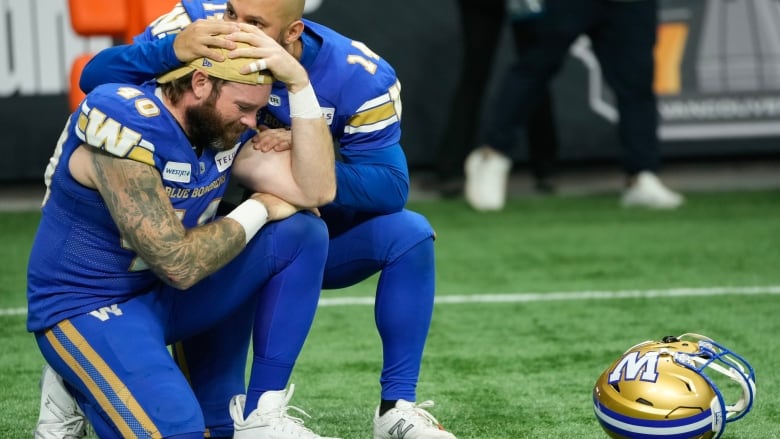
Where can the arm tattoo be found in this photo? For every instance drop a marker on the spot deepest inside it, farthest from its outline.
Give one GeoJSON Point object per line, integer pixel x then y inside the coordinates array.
{"type": "Point", "coordinates": [136, 198]}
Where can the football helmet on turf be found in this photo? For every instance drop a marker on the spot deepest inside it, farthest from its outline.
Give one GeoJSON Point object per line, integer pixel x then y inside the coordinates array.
{"type": "Point", "coordinates": [667, 389]}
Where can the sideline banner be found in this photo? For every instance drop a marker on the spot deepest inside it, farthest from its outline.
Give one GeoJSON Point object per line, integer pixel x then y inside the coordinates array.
{"type": "Point", "coordinates": [717, 70]}
{"type": "Point", "coordinates": [717, 77]}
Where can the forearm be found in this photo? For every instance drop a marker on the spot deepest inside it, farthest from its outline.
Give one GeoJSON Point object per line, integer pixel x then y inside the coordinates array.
{"type": "Point", "coordinates": [312, 159]}
{"type": "Point", "coordinates": [179, 257]}
{"type": "Point", "coordinates": [301, 172]}
{"type": "Point", "coordinates": [297, 165]}
{"type": "Point", "coordinates": [182, 261]}
{"type": "Point", "coordinates": [136, 198]}
{"type": "Point", "coordinates": [207, 248]}
{"type": "Point", "coordinates": [129, 63]}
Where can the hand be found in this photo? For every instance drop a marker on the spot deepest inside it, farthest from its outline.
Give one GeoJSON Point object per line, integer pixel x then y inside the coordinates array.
{"type": "Point", "coordinates": [278, 209]}
{"type": "Point", "coordinates": [270, 56]}
{"type": "Point", "coordinates": [268, 139]}
{"type": "Point", "coordinates": [201, 39]}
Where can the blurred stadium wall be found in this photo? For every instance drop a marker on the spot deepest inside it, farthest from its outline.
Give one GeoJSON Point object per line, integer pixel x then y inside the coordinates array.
{"type": "Point", "coordinates": [717, 77]}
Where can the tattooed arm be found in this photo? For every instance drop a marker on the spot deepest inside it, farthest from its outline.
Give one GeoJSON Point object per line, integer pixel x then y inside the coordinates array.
{"type": "Point", "coordinates": [135, 196]}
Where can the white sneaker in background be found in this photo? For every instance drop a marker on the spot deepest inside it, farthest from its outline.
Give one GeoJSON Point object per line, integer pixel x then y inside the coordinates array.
{"type": "Point", "coordinates": [648, 191]}
{"type": "Point", "coordinates": [270, 419]}
{"type": "Point", "coordinates": [487, 172]}
{"type": "Point", "coordinates": [409, 421]}
{"type": "Point", "coordinates": [60, 416]}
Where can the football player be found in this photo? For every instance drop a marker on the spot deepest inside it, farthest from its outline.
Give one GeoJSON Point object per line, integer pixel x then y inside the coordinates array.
{"type": "Point", "coordinates": [129, 257]}
{"type": "Point", "coordinates": [370, 229]}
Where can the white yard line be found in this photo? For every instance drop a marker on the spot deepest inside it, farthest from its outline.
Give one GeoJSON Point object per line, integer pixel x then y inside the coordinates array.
{"type": "Point", "coordinates": [572, 295]}
{"type": "Point", "coordinates": [542, 297]}
{"type": "Point", "coordinates": [12, 311]}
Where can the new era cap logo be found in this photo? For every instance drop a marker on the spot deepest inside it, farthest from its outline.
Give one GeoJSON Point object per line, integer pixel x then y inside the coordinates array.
{"type": "Point", "coordinates": [206, 62]}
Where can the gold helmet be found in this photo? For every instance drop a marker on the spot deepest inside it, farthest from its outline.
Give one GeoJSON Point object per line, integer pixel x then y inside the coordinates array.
{"type": "Point", "coordinates": [661, 389]}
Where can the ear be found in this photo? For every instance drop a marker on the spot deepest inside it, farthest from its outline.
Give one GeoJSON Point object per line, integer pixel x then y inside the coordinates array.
{"type": "Point", "coordinates": [293, 32]}
{"type": "Point", "coordinates": [201, 86]}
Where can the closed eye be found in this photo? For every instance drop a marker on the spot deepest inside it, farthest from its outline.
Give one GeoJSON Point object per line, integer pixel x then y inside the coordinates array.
{"type": "Point", "coordinates": [230, 14]}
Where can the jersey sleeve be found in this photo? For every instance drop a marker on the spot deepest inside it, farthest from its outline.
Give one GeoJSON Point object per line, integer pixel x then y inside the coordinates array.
{"type": "Point", "coordinates": [372, 175]}
{"type": "Point", "coordinates": [129, 63]}
{"type": "Point", "coordinates": [374, 180]}
{"type": "Point", "coordinates": [122, 121]}
{"type": "Point", "coordinates": [360, 96]}
{"type": "Point", "coordinates": [371, 112]}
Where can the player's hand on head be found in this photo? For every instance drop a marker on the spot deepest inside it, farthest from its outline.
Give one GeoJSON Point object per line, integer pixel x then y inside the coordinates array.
{"type": "Point", "coordinates": [203, 38]}
{"type": "Point", "coordinates": [278, 209]}
{"type": "Point", "coordinates": [272, 139]}
{"type": "Point", "coordinates": [270, 56]}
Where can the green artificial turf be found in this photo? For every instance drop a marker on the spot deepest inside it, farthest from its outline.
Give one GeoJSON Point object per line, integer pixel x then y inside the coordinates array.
{"type": "Point", "coordinates": [524, 366]}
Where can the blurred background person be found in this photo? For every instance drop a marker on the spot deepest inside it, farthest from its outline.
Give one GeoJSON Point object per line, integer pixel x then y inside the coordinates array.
{"type": "Point", "coordinates": [623, 34]}
{"type": "Point", "coordinates": [482, 23]}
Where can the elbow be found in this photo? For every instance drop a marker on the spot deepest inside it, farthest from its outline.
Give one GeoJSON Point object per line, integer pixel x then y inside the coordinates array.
{"type": "Point", "coordinates": [85, 83]}
{"type": "Point", "coordinates": [391, 206]}
{"type": "Point", "coordinates": [320, 198]}
{"type": "Point", "coordinates": [319, 195]}
{"type": "Point", "coordinates": [397, 196]}
{"type": "Point", "coordinates": [85, 86]}
{"type": "Point", "coordinates": [178, 281]}
{"type": "Point", "coordinates": [178, 276]}
{"type": "Point", "coordinates": [327, 194]}
{"type": "Point", "coordinates": [181, 286]}
{"type": "Point", "coordinates": [396, 202]}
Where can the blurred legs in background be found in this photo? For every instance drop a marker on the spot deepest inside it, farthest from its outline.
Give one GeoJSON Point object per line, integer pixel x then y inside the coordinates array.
{"type": "Point", "coordinates": [623, 37]}
{"type": "Point", "coordinates": [482, 26]}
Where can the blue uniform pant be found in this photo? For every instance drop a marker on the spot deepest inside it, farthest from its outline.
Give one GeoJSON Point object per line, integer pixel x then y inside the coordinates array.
{"type": "Point", "coordinates": [399, 246]}
{"type": "Point", "coordinates": [117, 362]}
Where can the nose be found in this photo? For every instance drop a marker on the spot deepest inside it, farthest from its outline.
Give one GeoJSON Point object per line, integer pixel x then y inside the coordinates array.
{"type": "Point", "coordinates": [249, 120]}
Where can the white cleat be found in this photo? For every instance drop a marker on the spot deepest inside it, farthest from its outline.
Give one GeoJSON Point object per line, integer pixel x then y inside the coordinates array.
{"type": "Point", "coordinates": [270, 419]}
{"type": "Point", "coordinates": [487, 172]}
{"type": "Point", "coordinates": [648, 191]}
{"type": "Point", "coordinates": [409, 421]}
{"type": "Point", "coordinates": [60, 416]}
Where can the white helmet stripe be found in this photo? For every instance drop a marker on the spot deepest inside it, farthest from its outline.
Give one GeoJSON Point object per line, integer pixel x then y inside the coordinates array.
{"type": "Point", "coordinates": [699, 426]}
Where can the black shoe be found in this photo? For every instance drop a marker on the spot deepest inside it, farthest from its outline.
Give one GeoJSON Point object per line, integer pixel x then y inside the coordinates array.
{"type": "Point", "coordinates": [544, 187]}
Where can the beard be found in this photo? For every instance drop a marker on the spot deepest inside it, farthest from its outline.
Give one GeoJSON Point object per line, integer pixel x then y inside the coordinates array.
{"type": "Point", "coordinates": [207, 129]}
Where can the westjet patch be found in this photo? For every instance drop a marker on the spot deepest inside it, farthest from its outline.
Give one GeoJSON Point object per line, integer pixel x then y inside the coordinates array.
{"type": "Point", "coordinates": [178, 172]}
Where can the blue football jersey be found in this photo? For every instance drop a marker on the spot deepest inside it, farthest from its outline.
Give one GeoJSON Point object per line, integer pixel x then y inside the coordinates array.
{"type": "Point", "coordinates": [357, 90]}
{"type": "Point", "coordinates": [79, 261]}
